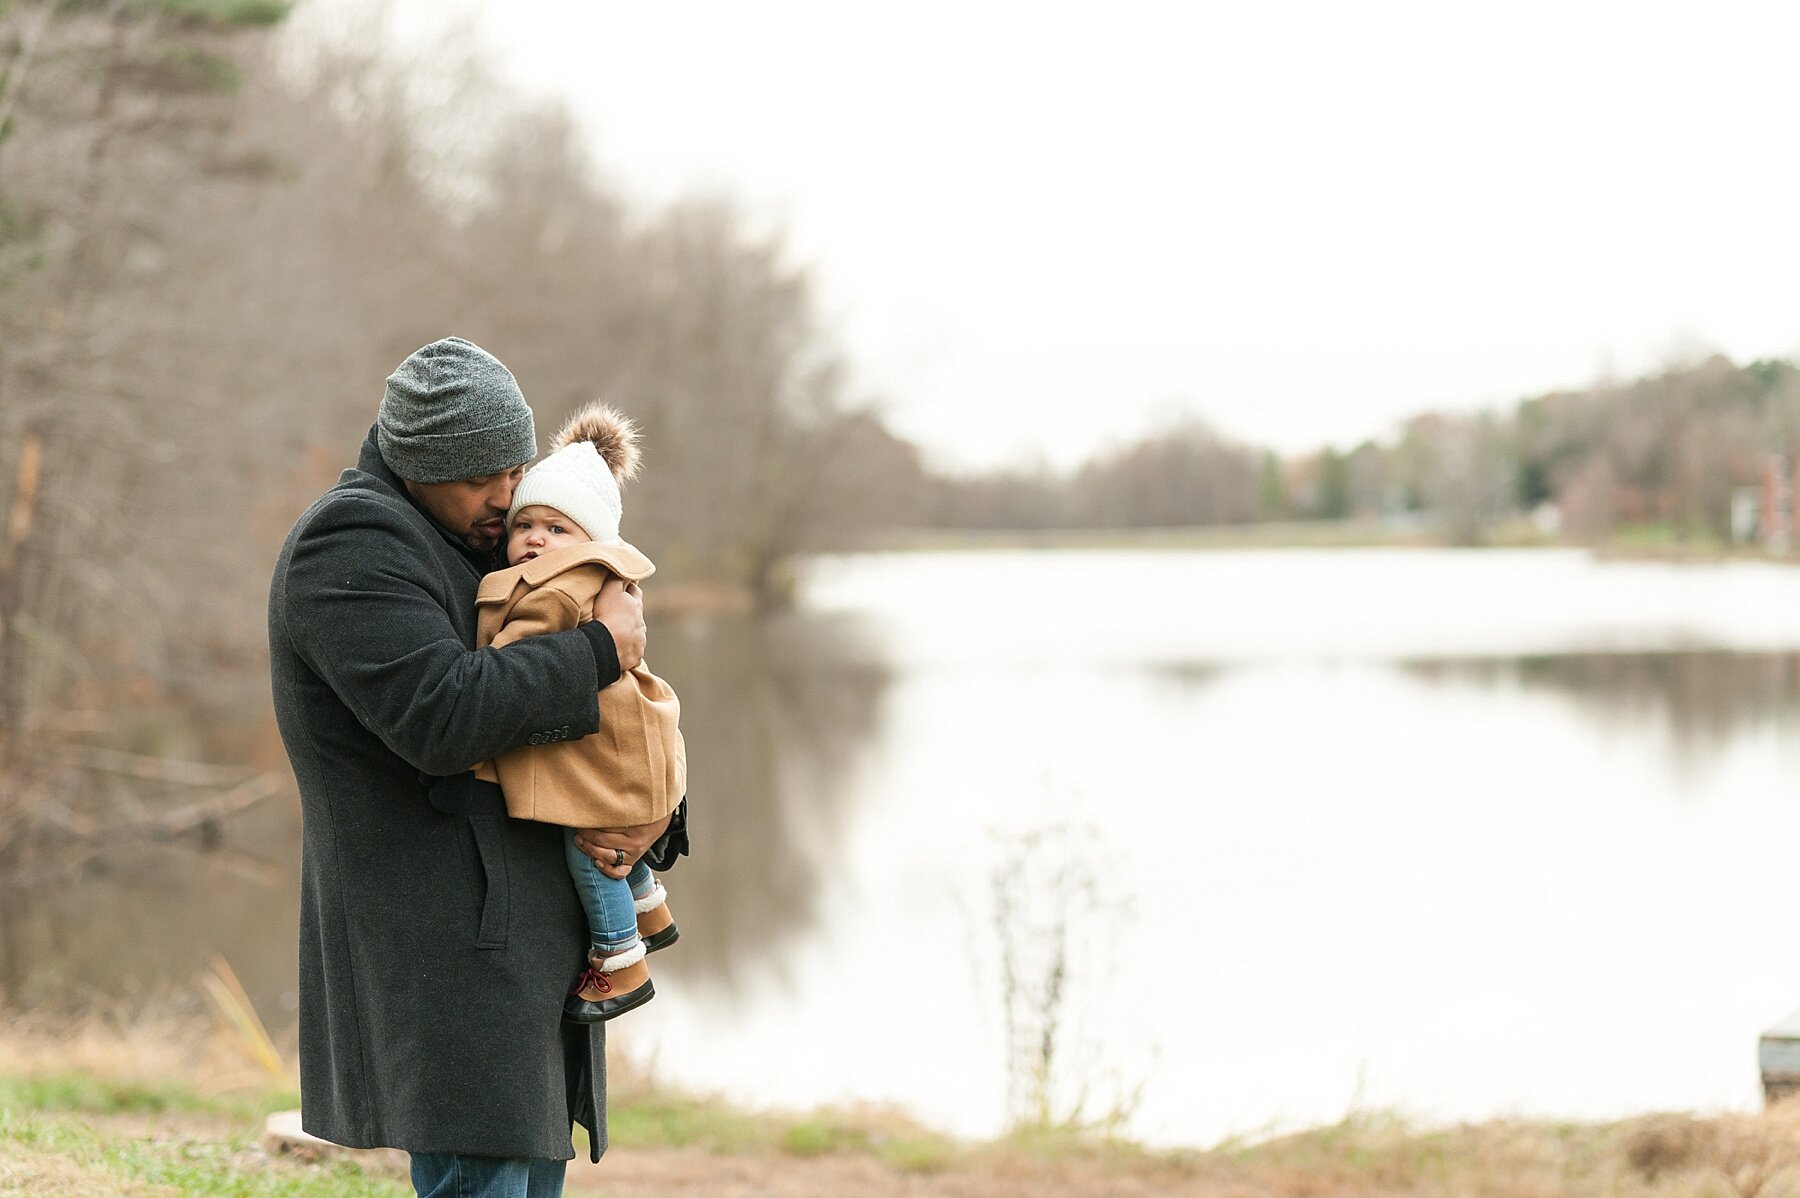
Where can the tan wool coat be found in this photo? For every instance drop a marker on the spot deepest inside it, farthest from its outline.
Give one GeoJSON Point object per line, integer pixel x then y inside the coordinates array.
{"type": "Point", "coordinates": [632, 771]}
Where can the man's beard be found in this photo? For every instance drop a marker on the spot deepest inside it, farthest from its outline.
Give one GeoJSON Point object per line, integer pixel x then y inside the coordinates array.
{"type": "Point", "coordinates": [483, 542]}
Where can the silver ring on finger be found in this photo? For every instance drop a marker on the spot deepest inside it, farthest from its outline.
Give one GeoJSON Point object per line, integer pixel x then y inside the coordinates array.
{"type": "Point", "coordinates": [618, 858]}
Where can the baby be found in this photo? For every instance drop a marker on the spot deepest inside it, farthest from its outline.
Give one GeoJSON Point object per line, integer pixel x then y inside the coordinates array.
{"type": "Point", "coordinates": [562, 545]}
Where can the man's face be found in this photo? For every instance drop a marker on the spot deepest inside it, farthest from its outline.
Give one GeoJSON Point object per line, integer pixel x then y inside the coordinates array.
{"type": "Point", "coordinates": [473, 509]}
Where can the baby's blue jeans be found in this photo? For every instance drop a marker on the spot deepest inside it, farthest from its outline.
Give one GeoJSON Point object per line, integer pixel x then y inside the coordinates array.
{"type": "Point", "coordinates": [610, 903]}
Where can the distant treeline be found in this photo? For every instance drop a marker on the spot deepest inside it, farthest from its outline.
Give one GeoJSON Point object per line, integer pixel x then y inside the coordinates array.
{"type": "Point", "coordinates": [1666, 449]}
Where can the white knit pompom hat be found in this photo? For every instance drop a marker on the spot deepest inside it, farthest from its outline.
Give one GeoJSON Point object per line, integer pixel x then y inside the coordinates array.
{"type": "Point", "coordinates": [595, 452]}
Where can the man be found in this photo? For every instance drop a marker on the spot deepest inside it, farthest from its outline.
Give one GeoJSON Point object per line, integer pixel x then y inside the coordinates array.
{"type": "Point", "coordinates": [437, 935]}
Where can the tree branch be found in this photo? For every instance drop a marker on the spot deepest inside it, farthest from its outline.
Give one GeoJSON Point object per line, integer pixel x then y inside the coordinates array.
{"type": "Point", "coordinates": [20, 66]}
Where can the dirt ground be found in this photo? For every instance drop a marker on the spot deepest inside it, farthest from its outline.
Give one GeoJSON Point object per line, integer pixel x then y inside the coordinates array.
{"type": "Point", "coordinates": [697, 1173]}
{"type": "Point", "coordinates": [661, 1173]}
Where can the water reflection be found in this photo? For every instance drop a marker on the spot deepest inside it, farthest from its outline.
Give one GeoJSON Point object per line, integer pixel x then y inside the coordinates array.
{"type": "Point", "coordinates": [1705, 698]}
{"type": "Point", "coordinates": [133, 927]}
{"type": "Point", "coordinates": [776, 712]}
{"type": "Point", "coordinates": [1188, 676]}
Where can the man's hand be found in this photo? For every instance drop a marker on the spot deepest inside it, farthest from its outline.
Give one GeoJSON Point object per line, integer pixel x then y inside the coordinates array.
{"type": "Point", "coordinates": [616, 850]}
{"type": "Point", "coordinates": [620, 606]}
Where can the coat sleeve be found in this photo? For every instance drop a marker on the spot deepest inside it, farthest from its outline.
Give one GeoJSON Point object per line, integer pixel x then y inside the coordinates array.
{"type": "Point", "coordinates": [360, 611]}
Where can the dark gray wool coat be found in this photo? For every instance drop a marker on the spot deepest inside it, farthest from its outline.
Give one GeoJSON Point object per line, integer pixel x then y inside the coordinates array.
{"type": "Point", "coordinates": [437, 935]}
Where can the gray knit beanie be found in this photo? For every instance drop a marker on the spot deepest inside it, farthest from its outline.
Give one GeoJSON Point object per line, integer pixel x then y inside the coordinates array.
{"type": "Point", "coordinates": [452, 411]}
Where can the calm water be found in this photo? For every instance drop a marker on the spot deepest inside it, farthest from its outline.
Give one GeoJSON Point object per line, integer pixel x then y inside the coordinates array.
{"type": "Point", "coordinates": [1464, 834]}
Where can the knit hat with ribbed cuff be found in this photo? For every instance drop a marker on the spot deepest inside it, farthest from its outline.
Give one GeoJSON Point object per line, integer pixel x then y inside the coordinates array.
{"type": "Point", "coordinates": [592, 454]}
{"type": "Point", "coordinates": [452, 411]}
{"type": "Point", "coordinates": [575, 481]}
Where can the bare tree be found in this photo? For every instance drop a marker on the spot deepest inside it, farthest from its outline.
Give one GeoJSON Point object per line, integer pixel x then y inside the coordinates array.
{"type": "Point", "coordinates": [107, 111]}
{"type": "Point", "coordinates": [1185, 476]}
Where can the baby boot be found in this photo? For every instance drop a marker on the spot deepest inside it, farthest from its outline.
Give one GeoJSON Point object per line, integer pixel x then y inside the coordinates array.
{"type": "Point", "coordinates": [656, 927]}
{"type": "Point", "coordinates": [609, 987]}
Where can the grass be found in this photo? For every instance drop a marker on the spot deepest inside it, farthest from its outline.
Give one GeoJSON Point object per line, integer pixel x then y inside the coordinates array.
{"type": "Point", "coordinates": [62, 1157]}
{"type": "Point", "coordinates": [88, 1094]}
{"type": "Point", "coordinates": [893, 1141]}
{"type": "Point", "coordinates": [98, 1111]}
{"type": "Point", "coordinates": [646, 1117]}
{"type": "Point", "coordinates": [660, 1120]}
{"type": "Point", "coordinates": [1660, 540]}
{"type": "Point", "coordinates": [153, 1106]}
{"type": "Point", "coordinates": [171, 1106]}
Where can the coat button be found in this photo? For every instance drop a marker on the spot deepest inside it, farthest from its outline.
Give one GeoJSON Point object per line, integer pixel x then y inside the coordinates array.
{"type": "Point", "coordinates": [537, 738]}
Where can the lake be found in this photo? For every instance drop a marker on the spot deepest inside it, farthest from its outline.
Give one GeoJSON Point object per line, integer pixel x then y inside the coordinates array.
{"type": "Point", "coordinates": [1203, 843]}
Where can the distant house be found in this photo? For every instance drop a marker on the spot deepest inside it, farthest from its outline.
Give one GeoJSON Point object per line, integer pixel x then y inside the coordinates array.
{"type": "Point", "coordinates": [1775, 523]}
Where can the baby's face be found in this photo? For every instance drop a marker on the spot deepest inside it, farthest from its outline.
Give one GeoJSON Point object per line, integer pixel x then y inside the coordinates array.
{"type": "Point", "coordinates": [539, 529]}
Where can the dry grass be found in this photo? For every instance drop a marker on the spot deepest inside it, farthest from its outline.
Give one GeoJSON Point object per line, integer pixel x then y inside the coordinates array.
{"type": "Point", "coordinates": [125, 1092]}
{"type": "Point", "coordinates": [143, 1053]}
{"type": "Point", "coordinates": [1753, 1155]}
{"type": "Point", "coordinates": [29, 1173]}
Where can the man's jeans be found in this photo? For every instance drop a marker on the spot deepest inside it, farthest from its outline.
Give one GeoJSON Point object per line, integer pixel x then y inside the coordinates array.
{"type": "Point", "coordinates": [444, 1175]}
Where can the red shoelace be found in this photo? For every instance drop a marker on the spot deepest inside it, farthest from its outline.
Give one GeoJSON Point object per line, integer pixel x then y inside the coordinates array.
{"type": "Point", "coordinates": [593, 977]}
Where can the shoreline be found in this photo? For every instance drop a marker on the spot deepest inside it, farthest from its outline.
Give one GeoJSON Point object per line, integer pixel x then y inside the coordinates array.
{"type": "Point", "coordinates": [689, 597]}
{"type": "Point", "coordinates": [1650, 542]}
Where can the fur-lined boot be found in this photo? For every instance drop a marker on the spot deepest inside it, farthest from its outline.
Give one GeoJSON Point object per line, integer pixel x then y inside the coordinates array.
{"type": "Point", "coordinates": [609, 987]}
{"type": "Point", "coordinates": [656, 927]}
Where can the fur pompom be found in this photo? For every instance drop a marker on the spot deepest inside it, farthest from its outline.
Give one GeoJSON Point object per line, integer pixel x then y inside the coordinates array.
{"type": "Point", "coordinates": [613, 435]}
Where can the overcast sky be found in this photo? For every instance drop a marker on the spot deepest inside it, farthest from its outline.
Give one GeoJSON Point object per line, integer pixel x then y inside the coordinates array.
{"type": "Point", "coordinates": [1043, 228]}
